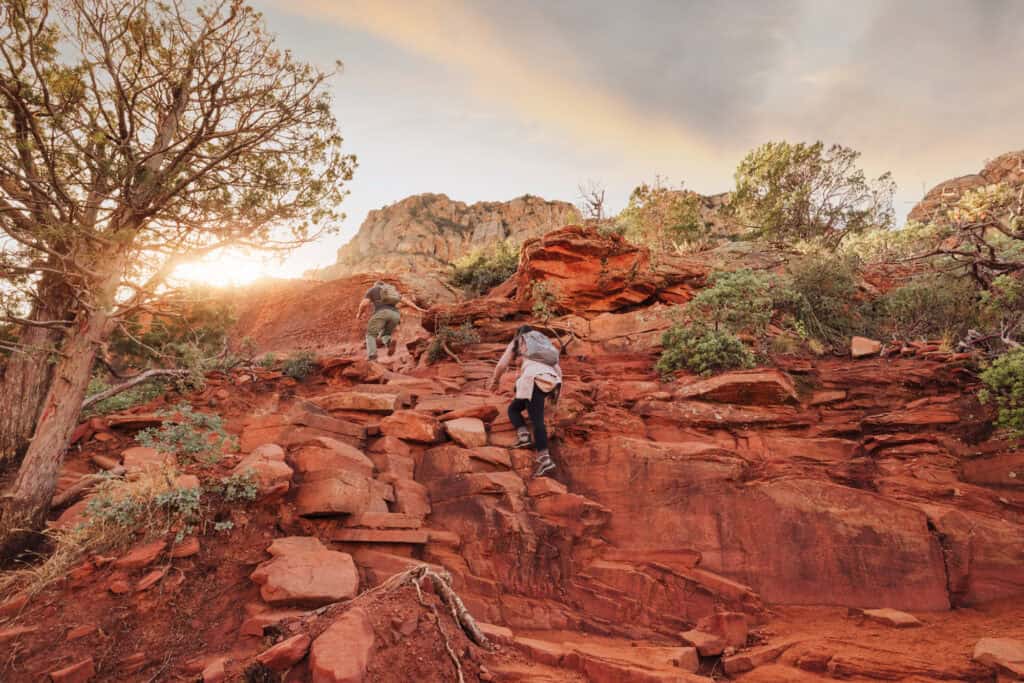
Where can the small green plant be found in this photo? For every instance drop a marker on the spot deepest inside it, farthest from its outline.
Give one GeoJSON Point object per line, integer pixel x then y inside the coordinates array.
{"type": "Point", "coordinates": [481, 271]}
{"type": "Point", "coordinates": [239, 487]}
{"type": "Point", "coordinates": [299, 365]}
{"type": "Point", "coordinates": [451, 340]}
{"type": "Point", "coordinates": [545, 304]}
{"type": "Point", "coordinates": [136, 396]}
{"type": "Point", "coordinates": [737, 301]}
{"type": "Point", "coordinates": [226, 525]}
{"type": "Point", "coordinates": [186, 432]}
{"type": "Point", "coordinates": [701, 349]}
{"type": "Point", "coordinates": [268, 361]}
{"type": "Point", "coordinates": [819, 293]}
{"type": "Point", "coordinates": [1004, 387]}
{"type": "Point", "coordinates": [933, 306]}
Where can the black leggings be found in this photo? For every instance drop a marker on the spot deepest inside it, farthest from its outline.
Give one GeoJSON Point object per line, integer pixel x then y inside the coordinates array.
{"type": "Point", "coordinates": [535, 407]}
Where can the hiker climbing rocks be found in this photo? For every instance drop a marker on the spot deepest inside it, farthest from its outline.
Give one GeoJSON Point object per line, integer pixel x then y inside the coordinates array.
{"type": "Point", "coordinates": [385, 298]}
{"type": "Point", "coordinates": [540, 377]}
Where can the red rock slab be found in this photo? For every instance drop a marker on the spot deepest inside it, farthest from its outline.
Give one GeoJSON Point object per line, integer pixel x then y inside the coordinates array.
{"type": "Point", "coordinates": [79, 672]}
{"type": "Point", "coordinates": [412, 426]}
{"type": "Point", "coordinates": [135, 662]}
{"type": "Point", "coordinates": [732, 626]}
{"type": "Point", "coordinates": [755, 657]}
{"type": "Point", "coordinates": [468, 432]}
{"type": "Point", "coordinates": [15, 632]}
{"type": "Point", "coordinates": [215, 671]}
{"type": "Point", "coordinates": [149, 580]}
{"type": "Point", "coordinates": [286, 653]}
{"type": "Point", "coordinates": [493, 455]}
{"type": "Point", "coordinates": [999, 652]}
{"type": "Point", "coordinates": [486, 412]}
{"type": "Point", "coordinates": [401, 466]}
{"type": "Point", "coordinates": [763, 387]}
{"type": "Point", "coordinates": [443, 461]}
{"type": "Point", "coordinates": [384, 520]}
{"type": "Point", "coordinates": [1004, 469]}
{"type": "Point", "coordinates": [892, 617]}
{"type": "Point", "coordinates": [862, 346]}
{"type": "Point", "coordinates": [141, 555]}
{"type": "Point", "coordinates": [411, 498]}
{"type": "Point", "coordinates": [141, 459]}
{"type": "Point", "coordinates": [444, 537]}
{"type": "Point", "coordinates": [316, 461]}
{"type": "Point", "coordinates": [411, 536]}
{"type": "Point", "coordinates": [542, 651]}
{"type": "Point", "coordinates": [360, 401]}
{"type": "Point", "coordinates": [187, 548]}
{"type": "Point", "coordinates": [539, 487]}
{"type": "Point", "coordinates": [496, 634]}
{"type": "Point", "coordinates": [342, 493]}
{"type": "Point", "coordinates": [306, 576]}
{"type": "Point", "coordinates": [254, 625]}
{"type": "Point", "coordinates": [719, 416]}
{"type": "Point", "coordinates": [707, 644]}
{"type": "Point", "coordinates": [475, 484]}
{"type": "Point", "coordinates": [342, 653]}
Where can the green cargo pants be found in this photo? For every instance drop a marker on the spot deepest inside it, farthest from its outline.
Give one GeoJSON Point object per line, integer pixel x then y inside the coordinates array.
{"type": "Point", "coordinates": [382, 324]}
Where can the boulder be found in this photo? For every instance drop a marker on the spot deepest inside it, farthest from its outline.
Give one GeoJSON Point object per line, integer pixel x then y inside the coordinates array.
{"type": "Point", "coordinates": [360, 401]}
{"type": "Point", "coordinates": [306, 574]}
{"type": "Point", "coordinates": [342, 653]}
{"type": "Point", "coordinates": [444, 461]}
{"type": "Point", "coordinates": [707, 644]}
{"type": "Point", "coordinates": [412, 426]}
{"type": "Point", "coordinates": [266, 463]}
{"type": "Point", "coordinates": [892, 617]}
{"type": "Point", "coordinates": [862, 346]}
{"type": "Point", "coordinates": [468, 432]}
{"type": "Point", "coordinates": [141, 555]}
{"type": "Point", "coordinates": [141, 459]}
{"type": "Point", "coordinates": [285, 654]}
{"type": "Point", "coordinates": [1000, 653]}
{"type": "Point", "coordinates": [342, 493]}
{"type": "Point", "coordinates": [328, 456]}
{"type": "Point", "coordinates": [411, 498]}
{"type": "Point", "coordinates": [755, 387]}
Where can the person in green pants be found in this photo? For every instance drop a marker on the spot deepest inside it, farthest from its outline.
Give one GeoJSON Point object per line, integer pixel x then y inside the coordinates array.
{"type": "Point", "coordinates": [385, 298]}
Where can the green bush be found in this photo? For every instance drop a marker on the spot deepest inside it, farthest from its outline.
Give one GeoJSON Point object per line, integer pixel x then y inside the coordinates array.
{"type": "Point", "coordinates": [545, 304]}
{"type": "Point", "coordinates": [299, 365]}
{"type": "Point", "coordinates": [1004, 387]}
{"type": "Point", "coordinates": [455, 339]}
{"type": "Point", "coordinates": [268, 361]}
{"type": "Point", "coordinates": [930, 307]}
{"type": "Point", "coordinates": [1001, 308]}
{"type": "Point", "coordinates": [701, 349]}
{"type": "Point", "coordinates": [819, 292]}
{"type": "Point", "coordinates": [663, 218]}
{"type": "Point", "coordinates": [240, 487]}
{"type": "Point", "coordinates": [736, 301]}
{"type": "Point", "coordinates": [136, 396]}
{"type": "Point", "coordinates": [482, 271]}
{"type": "Point", "coordinates": [195, 435]}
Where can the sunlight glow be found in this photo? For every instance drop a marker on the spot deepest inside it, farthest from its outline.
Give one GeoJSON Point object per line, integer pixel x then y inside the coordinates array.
{"type": "Point", "coordinates": [226, 268]}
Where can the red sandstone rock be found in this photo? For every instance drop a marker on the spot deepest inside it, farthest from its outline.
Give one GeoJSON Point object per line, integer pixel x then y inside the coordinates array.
{"type": "Point", "coordinates": [345, 492]}
{"type": "Point", "coordinates": [315, 462]}
{"type": "Point", "coordinates": [412, 426]}
{"type": "Point", "coordinates": [360, 401]}
{"type": "Point", "coordinates": [862, 346]}
{"type": "Point", "coordinates": [80, 672]}
{"type": "Point", "coordinates": [141, 459]}
{"type": "Point", "coordinates": [141, 555]}
{"type": "Point", "coordinates": [272, 476]}
{"type": "Point", "coordinates": [149, 580]}
{"type": "Point", "coordinates": [707, 644]}
{"type": "Point", "coordinates": [305, 573]}
{"type": "Point", "coordinates": [544, 486]}
{"type": "Point", "coordinates": [892, 617]}
{"type": "Point", "coordinates": [468, 432]}
{"type": "Point", "coordinates": [215, 671]}
{"type": "Point", "coordinates": [732, 626]}
{"type": "Point", "coordinates": [444, 461]}
{"type": "Point", "coordinates": [411, 498]}
{"type": "Point", "coordinates": [754, 387]}
{"type": "Point", "coordinates": [286, 653]}
{"type": "Point", "coordinates": [384, 520]}
{"type": "Point", "coordinates": [187, 548]}
{"type": "Point", "coordinates": [254, 625]}
{"type": "Point", "coordinates": [342, 652]}
{"type": "Point", "coordinates": [1001, 654]}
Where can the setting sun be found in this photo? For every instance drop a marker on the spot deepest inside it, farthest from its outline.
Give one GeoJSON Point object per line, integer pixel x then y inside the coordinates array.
{"type": "Point", "coordinates": [226, 268]}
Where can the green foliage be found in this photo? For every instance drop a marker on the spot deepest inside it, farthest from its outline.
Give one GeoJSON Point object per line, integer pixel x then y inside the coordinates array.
{"type": "Point", "coordinates": [1001, 308]}
{"type": "Point", "coordinates": [299, 364]}
{"type": "Point", "coordinates": [1004, 387]}
{"type": "Point", "coordinates": [455, 339]}
{"type": "Point", "coordinates": [819, 293]}
{"type": "Point", "coordinates": [185, 432]}
{"type": "Point", "coordinates": [268, 361]}
{"type": "Point", "coordinates": [788, 192]}
{"type": "Point", "coordinates": [930, 306]}
{"type": "Point", "coordinates": [130, 509]}
{"type": "Point", "coordinates": [479, 272]}
{"type": "Point", "coordinates": [736, 301]}
{"type": "Point", "coordinates": [239, 487]}
{"type": "Point", "coordinates": [544, 302]}
{"type": "Point", "coordinates": [701, 349]}
{"type": "Point", "coordinates": [664, 218]}
{"type": "Point", "coordinates": [136, 396]}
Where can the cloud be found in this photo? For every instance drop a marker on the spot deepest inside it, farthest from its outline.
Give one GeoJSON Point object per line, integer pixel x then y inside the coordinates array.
{"type": "Point", "coordinates": [544, 84]}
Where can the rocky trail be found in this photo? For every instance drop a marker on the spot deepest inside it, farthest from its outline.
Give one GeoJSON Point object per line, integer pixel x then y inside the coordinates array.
{"type": "Point", "coordinates": [827, 518]}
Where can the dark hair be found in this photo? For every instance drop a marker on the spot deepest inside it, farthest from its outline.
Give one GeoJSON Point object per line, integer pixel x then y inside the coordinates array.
{"type": "Point", "coordinates": [523, 329]}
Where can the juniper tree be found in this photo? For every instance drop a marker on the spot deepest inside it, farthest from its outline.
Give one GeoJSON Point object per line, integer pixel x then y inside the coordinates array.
{"type": "Point", "coordinates": [135, 136]}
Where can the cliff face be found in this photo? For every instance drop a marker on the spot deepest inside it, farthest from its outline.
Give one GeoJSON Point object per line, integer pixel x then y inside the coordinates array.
{"type": "Point", "coordinates": [426, 232]}
{"type": "Point", "coordinates": [1005, 168]}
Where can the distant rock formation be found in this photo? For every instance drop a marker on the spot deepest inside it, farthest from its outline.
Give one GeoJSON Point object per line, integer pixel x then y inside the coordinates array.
{"type": "Point", "coordinates": [427, 232]}
{"type": "Point", "coordinates": [1008, 168]}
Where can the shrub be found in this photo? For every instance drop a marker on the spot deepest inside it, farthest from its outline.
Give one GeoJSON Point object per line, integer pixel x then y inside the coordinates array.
{"type": "Point", "coordinates": [930, 307]}
{"type": "Point", "coordinates": [736, 301]}
{"type": "Point", "coordinates": [481, 271]}
{"type": "Point", "coordinates": [545, 305]}
{"type": "Point", "coordinates": [1004, 387]}
{"type": "Point", "coordinates": [701, 349]}
{"type": "Point", "coordinates": [136, 396]}
{"type": "Point", "coordinates": [187, 432]}
{"type": "Point", "coordinates": [664, 218]}
{"type": "Point", "coordinates": [268, 361]}
{"type": "Point", "coordinates": [819, 293]}
{"type": "Point", "coordinates": [455, 339]}
{"type": "Point", "coordinates": [1001, 308]}
{"type": "Point", "coordinates": [299, 365]}
{"type": "Point", "coordinates": [239, 487]}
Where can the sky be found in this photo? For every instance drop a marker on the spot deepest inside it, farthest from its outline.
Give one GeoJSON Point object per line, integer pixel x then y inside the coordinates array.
{"type": "Point", "coordinates": [493, 99]}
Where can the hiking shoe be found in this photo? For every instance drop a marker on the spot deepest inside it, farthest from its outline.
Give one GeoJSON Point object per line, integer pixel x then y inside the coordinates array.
{"type": "Point", "coordinates": [392, 346]}
{"type": "Point", "coordinates": [373, 357]}
{"type": "Point", "coordinates": [544, 465]}
{"type": "Point", "coordinates": [522, 439]}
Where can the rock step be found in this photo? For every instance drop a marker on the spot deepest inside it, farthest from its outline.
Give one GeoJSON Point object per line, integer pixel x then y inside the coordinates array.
{"type": "Point", "coordinates": [384, 520]}
{"type": "Point", "coordinates": [350, 535]}
{"type": "Point", "coordinates": [604, 659]}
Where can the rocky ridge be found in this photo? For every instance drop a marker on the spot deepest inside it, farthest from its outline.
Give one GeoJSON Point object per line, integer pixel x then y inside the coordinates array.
{"type": "Point", "coordinates": [428, 232]}
{"type": "Point", "coordinates": [788, 523]}
{"type": "Point", "coordinates": [1005, 168]}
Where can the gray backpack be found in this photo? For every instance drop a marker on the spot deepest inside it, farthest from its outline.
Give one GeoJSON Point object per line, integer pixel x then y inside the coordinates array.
{"type": "Point", "coordinates": [536, 346]}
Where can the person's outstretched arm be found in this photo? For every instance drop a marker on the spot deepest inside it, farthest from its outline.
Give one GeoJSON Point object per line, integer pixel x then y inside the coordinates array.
{"type": "Point", "coordinates": [499, 370]}
{"type": "Point", "coordinates": [364, 306]}
{"type": "Point", "coordinates": [412, 304]}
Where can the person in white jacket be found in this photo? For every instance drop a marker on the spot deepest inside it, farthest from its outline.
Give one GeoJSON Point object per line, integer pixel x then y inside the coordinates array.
{"type": "Point", "coordinates": [537, 381]}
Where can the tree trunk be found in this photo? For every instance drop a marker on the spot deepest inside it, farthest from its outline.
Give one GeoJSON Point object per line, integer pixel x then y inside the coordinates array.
{"type": "Point", "coordinates": [23, 509]}
{"type": "Point", "coordinates": [27, 375]}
